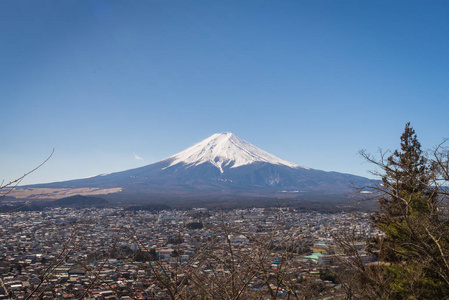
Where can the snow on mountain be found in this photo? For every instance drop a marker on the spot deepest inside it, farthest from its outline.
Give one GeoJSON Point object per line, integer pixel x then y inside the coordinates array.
{"type": "Point", "coordinates": [225, 150]}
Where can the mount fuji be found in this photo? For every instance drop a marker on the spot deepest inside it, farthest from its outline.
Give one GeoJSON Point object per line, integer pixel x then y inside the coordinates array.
{"type": "Point", "coordinates": [222, 166]}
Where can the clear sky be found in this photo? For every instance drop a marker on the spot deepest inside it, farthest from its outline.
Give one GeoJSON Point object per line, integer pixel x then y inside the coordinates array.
{"type": "Point", "coordinates": [114, 85]}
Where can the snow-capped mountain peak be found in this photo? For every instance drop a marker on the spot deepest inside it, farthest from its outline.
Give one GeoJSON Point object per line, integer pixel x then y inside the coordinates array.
{"type": "Point", "coordinates": [225, 150]}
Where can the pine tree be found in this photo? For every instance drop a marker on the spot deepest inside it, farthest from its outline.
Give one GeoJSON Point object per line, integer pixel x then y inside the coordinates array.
{"type": "Point", "coordinates": [413, 215]}
{"type": "Point", "coordinates": [409, 217]}
{"type": "Point", "coordinates": [405, 187]}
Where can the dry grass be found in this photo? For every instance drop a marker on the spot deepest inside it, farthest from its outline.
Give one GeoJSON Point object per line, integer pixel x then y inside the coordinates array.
{"type": "Point", "coordinates": [56, 193]}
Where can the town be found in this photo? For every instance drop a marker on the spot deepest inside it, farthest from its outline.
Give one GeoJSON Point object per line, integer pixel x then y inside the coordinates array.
{"type": "Point", "coordinates": [116, 253]}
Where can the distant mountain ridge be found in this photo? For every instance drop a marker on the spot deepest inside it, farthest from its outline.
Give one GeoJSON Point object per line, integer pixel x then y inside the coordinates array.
{"type": "Point", "coordinates": [220, 166]}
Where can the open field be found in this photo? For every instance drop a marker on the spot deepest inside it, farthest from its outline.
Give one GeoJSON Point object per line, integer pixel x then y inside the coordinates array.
{"type": "Point", "coordinates": [56, 193]}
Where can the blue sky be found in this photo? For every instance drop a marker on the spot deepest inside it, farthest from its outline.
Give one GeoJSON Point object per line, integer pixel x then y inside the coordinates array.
{"type": "Point", "coordinates": [312, 82]}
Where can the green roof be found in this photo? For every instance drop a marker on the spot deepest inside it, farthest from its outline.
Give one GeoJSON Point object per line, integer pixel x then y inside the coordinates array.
{"type": "Point", "coordinates": [314, 256]}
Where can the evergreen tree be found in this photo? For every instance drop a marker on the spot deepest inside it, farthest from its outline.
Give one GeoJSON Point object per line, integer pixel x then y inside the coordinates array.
{"type": "Point", "coordinates": [409, 217]}
{"type": "Point", "coordinates": [406, 213]}
{"type": "Point", "coordinates": [413, 252]}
